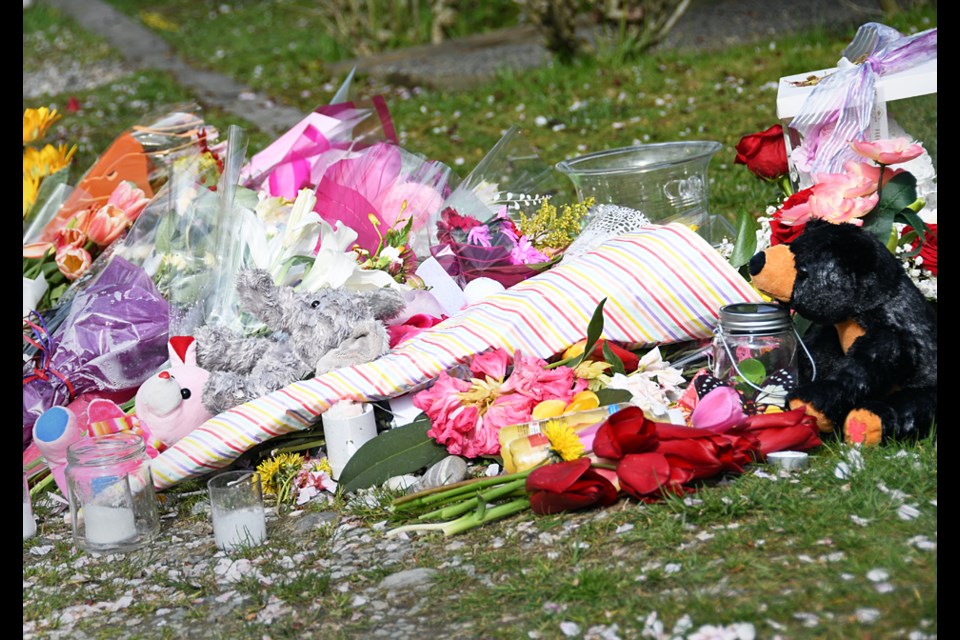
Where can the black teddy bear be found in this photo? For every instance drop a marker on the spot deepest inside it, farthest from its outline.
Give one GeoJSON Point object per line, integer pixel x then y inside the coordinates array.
{"type": "Point", "coordinates": [874, 337]}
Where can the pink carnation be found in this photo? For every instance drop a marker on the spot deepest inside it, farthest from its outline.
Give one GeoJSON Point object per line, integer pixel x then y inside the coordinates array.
{"type": "Point", "coordinates": [492, 364]}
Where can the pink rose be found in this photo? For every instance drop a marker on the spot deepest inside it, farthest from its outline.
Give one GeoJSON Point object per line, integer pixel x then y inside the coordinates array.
{"type": "Point", "coordinates": [889, 151]}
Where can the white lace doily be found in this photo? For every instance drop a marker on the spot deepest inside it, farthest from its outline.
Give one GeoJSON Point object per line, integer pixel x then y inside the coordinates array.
{"type": "Point", "coordinates": [606, 221]}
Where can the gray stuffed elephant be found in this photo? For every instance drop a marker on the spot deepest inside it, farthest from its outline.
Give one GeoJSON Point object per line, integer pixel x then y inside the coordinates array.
{"type": "Point", "coordinates": [313, 333]}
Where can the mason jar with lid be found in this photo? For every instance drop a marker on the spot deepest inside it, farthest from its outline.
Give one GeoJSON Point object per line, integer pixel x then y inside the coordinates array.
{"type": "Point", "coordinates": [755, 349]}
{"type": "Point", "coordinates": [113, 505]}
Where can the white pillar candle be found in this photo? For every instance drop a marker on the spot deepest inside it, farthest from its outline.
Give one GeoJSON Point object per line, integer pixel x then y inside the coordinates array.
{"type": "Point", "coordinates": [29, 524]}
{"type": "Point", "coordinates": [347, 427]}
{"type": "Point", "coordinates": [108, 525]}
{"type": "Point", "coordinates": [239, 527]}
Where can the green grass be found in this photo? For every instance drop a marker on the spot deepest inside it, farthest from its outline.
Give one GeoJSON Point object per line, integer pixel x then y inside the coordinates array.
{"type": "Point", "coordinates": [786, 555]}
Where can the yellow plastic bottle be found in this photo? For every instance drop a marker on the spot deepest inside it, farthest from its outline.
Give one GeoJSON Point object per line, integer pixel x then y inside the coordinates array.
{"type": "Point", "coordinates": [523, 446]}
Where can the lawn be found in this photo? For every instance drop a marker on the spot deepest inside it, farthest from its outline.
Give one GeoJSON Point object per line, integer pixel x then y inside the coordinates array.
{"type": "Point", "coordinates": [844, 549]}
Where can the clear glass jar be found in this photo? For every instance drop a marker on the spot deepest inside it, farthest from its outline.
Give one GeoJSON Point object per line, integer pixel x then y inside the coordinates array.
{"type": "Point", "coordinates": [29, 522]}
{"type": "Point", "coordinates": [755, 349]}
{"type": "Point", "coordinates": [113, 505]}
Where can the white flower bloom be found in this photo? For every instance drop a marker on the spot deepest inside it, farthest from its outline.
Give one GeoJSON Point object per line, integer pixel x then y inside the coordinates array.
{"type": "Point", "coordinates": [391, 253]}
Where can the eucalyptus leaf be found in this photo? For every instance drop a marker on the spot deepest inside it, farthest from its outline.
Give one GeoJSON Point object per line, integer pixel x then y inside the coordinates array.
{"type": "Point", "coordinates": [616, 363]}
{"type": "Point", "coordinates": [392, 453]}
{"type": "Point", "coordinates": [746, 244]}
{"type": "Point", "coordinates": [594, 331]}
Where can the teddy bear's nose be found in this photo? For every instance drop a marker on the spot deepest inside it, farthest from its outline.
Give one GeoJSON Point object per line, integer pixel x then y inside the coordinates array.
{"type": "Point", "coordinates": [756, 263]}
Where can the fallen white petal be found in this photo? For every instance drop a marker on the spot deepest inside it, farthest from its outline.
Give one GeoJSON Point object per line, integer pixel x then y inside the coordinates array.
{"type": "Point", "coordinates": [672, 567]}
{"type": "Point", "coordinates": [877, 575]}
{"type": "Point", "coordinates": [41, 550]}
{"type": "Point", "coordinates": [570, 629]}
{"type": "Point", "coordinates": [907, 512]}
{"type": "Point", "coordinates": [860, 521]}
{"type": "Point", "coordinates": [624, 528]}
{"type": "Point", "coordinates": [867, 615]}
{"type": "Point", "coordinates": [884, 587]}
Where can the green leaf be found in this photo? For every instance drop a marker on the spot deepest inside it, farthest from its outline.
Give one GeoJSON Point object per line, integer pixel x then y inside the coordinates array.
{"type": "Point", "coordinates": [910, 217]}
{"type": "Point", "coordinates": [610, 396]}
{"type": "Point", "coordinates": [752, 370]}
{"type": "Point", "coordinates": [614, 360]}
{"type": "Point", "coordinates": [746, 243]}
{"type": "Point", "coordinates": [594, 331]}
{"type": "Point", "coordinates": [396, 452]}
{"type": "Point", "coordinates": [898, 194]}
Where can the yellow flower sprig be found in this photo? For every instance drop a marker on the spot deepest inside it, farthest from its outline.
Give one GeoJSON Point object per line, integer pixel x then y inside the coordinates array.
{"type": "Point", "coordinates": [552, 228]}
{"type": "Point", "coordinates": [564, 441]}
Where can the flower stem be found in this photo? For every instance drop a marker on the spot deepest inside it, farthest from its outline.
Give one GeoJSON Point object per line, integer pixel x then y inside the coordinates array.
{"type": "Point", "coordinates": [468, 521]}
{"type": "Point", "coordinates": [481, 498]}
{"type": "Point", "coordinates": [447, 493]}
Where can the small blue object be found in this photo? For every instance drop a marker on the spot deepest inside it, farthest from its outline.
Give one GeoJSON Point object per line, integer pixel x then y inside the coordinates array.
{"type": "Point", "coordinates": [52, 424]}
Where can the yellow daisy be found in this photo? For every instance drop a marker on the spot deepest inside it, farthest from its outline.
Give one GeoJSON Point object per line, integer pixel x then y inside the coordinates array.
{"type": "Point", "coordinates": [564, 441]}
{"type": "Point", "coordinates": [36, 122]}
{"type": "Point", "coordinates": [277, 471]}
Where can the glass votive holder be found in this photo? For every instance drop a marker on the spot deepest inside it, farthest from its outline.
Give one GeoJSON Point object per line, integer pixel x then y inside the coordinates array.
{"type": "Point", "coordinates": [236, 506]}
{"type": "Point", "coordinates": [346, 427]}
{"type": "Point", "coordinates": [29, 523]}
{"type": "Point", "coordinates": [113, 505]}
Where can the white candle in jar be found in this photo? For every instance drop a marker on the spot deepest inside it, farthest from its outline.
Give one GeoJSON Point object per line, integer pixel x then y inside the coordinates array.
{"type": "Point", "coordinates": [29, 524]}
{"type": "Point", "coordinates": [108, 525]}
{"type": "Point", "coordinates": [239, 527]}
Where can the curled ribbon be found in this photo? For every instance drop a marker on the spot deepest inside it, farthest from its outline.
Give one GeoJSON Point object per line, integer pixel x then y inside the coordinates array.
{"type": "Point", "coordinates": [44, 346]}
{"type": "Point", "coordinates": [838, 109]}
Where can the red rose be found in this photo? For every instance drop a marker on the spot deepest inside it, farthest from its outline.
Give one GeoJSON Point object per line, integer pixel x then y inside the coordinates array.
{"type": "Point", "coordinates": [928, 251]}
{"type": "Point", "coordinates": [780, 431]}
{"type": "Point", "coordinates": [568, 486]}
{"type": "Point", "coordinates": [793, 208]}
{"type": "Point", "coordinates": [764, 153]}
{"type": "Point", "coordinates": [627, 431]}
{"type": "Point", "coordinates": [646, 476]}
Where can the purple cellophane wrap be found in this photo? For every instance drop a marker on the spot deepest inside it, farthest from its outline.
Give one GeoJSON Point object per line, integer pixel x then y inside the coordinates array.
{"type": "Point", "coordinates": [113, 339]}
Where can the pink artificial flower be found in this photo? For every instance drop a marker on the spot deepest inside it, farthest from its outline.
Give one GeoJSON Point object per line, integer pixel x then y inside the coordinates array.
{"type": "Point", "coordinates": [513, 408]}
{"type": "Point", "coordinates": [828, 203]}
{"type": "Point", "coordinates": [525, 253]}
{"type": "Point", "coordinates": [507, 225]}
{"type": "Point", "coordinates": [531, 379]}
{"type": "Point", "coordinates": [492, 364]}
{"type": "Point", "coordinates": [480, 235]}
{"type": "Point", "coordinates": [858, 181]}
{"type": "Point", "coordinates": [73, 262]}
{"type": "Point", "coordinates": [719, 410]}
{"type": "Point", "coordinates": [888, 151]}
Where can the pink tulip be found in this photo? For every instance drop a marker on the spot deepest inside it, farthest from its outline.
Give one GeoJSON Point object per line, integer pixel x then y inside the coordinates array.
{"type": "Point", "coordinates": [36, 250]}
{"type": "Point", "coordinates": [890, 151]}
{"type": "Point", "coordinates": [719, 410]}
{"type": "Point", "coordinates": [106, 224]}
{"type": "Point", "coordinates": [129, 199]}
{"type": "Point", "coordinates": [73, 262]}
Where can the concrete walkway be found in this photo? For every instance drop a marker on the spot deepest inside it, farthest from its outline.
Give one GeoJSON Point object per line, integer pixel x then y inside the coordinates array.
{"type": "Point", "coordinates": [143, 49]}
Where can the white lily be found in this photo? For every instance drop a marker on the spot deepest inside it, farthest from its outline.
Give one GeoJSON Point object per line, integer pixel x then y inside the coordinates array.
{"type": "Point", "coordinates": [336, 264]}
